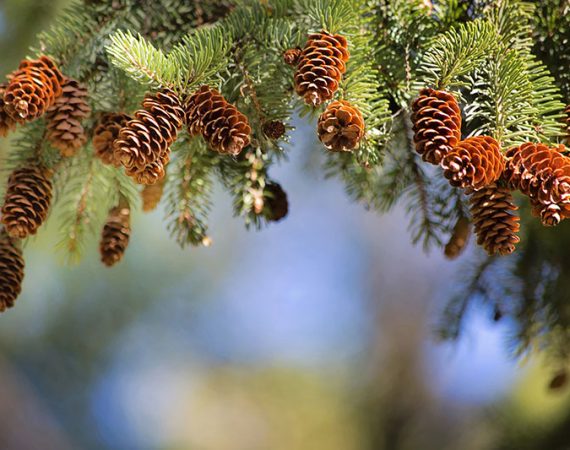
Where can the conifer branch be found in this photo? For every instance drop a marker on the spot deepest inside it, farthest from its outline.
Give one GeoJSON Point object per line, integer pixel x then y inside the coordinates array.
{"type": "Point", "coordinates": [458, 52]}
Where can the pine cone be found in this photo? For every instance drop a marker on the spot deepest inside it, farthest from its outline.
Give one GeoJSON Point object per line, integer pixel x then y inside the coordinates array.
{"type": "Point", "coordinates": [321, 67]}
{"type": "Point", "coordinates": [474, 163]}
{"type": "Point", "coordinates": [495, 225]}
{"type": "Point", "coordinates": [152, 194]}
{"type": "Point", "coordinates": [7, 124]}
{"type": "Point", "coordinates": [105, 134]}
{"type": "Point", "coordinates": [11, 271]}
{"type": "Point", "coordinates": [64, 129]}
{"type": "Point", "coordinates": [27, 201]}
{"type": "Point", "coordinates": [543, 174]}
{"type": "Point", "coordinates": [226, 129]}
{"type": "Point", "coordinates": [115, 236]}
{"type": "Point", "coordinates": [437, 124]}
{"type": "Point", "coordinates": [559, 381]}
{"type": "Point", "coordinates": [143, 146]}
{"type": "Point", "coordinates": [33, 88]}
{"type": "Point", "coordinates": [274, 129]}
{"type": "Point", "coordinates": [292, 56]}
{"type": "Point", "coordinates": [276, 203]}
{"type": "Point", "coordinates": [459, 239]}
{"type": "Point", "coordinates": [341, 127]}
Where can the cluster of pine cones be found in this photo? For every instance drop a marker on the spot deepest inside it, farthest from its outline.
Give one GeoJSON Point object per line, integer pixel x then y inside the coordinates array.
{"type": "Point", "coordinates": [320, 67]}
{"type": "Point", "coordinates": [139, 143]}
{"type": "Point", "coordinates": [489, 175]}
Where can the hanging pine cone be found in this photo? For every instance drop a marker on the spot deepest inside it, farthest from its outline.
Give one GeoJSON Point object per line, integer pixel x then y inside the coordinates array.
{"type": "Point", "coordinates": [436, 119]}
{"type": "Point", "coordinates": [495, 225]}
{"type": "Point", "coordinates": [559, 381]}
{"type": "Point", "coordinates": [143, 146]}
{"type": "Point", "coordinates": [274, 129]}
{"type": "Point", "coordinates": [33, 88]}
{"type": "Point", "coordinates": [458, 239]}
{"type": "Point", "coordinates": [115, 236]}
{"type": "Point", "coordinates": [292, 56]}
{"type": "Point", "coordinates": [64, 129]}
{"type": "Point", "coordinates": [341, 127]}
{"type": "Point", "coordinates": [226, 129]}
{"type": "Point", "coordinates": [11, 271]}
{"type": "Point", "coordinates": [474, 163]}
{"type": "Point", "coordinates": [7, 124]}
{"type": "Point", "coordinates": [27, 201]}
{"type": "Point", "coordinates": [543, 174]}
{"type": "Point", "coordinates": [152, 194]}
{"type": "Point", "coordinates": [320, 67]}
{"type": "Point", "coordinates": [275, 202]}
{"type": "Point", "coordinates": [105, 134]}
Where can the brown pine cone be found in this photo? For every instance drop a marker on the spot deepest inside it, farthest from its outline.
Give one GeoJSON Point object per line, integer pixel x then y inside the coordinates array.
{"type": "Point", "coordinates": [143, 145]}
{"type": "Point", "coordinates": [459, 239]}
{"type": "Point", "coordinates": [226, 129]}
{"type": "Point", "coordinates": [543, 174]}
{"type": "Point", "coordinates": [274, 129]}
{"type": "Point", "coordinates": [436, 119]}
{"type": "Point", "coordinates": [115, 236]}
{"type": "Point", "coordinates": [64, 129]}
{"type": "Point", "coordinates": [11, 271]}
{"type": "Point", "coordinates": [292, 56]}
{"type": "Point", "coordinates": [321, 66]}
{"type": "Point", "coordinates": [341, 127]}
{"type": "Point", "coordinates": [474, 163]}
{"type": "Point", "coordinates": [105, 134]}
{"type": "Point", "coordinates": [275, 202]}
{"type": "Point", "coordinates": [7, 124]}
{"type": "Point", "coordinates": [559, 381]}
{"type": "Point", "coordinates": [32, 89]}
{"type": "Point", "coordinates": [27, 201]}
{"type": "Point", "coordinates": [152, 194]}
{"type": "Point", "coordinates": [495, 225]}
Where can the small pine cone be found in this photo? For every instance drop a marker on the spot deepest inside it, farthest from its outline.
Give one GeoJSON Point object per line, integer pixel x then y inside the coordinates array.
{"type": "Point", "coordinates": [459, 239]}
{"type": "Point", "coordinates": [341, 127]}
{"type": "Point", "coordinates": [152, 194]}
{"type": "Point", "coordinates": [33, 88]}
{"type": "Point", "coordinates": [274, 129]}
{"type": "Point", "coordinates": [495, 225]}
{"type": "Point", "coordinates": [276, 203]}
{"type": "Point", "coordinates": [27, 201]}
{"type": "Point", "coordinates": [321, 66]}
{"type": "Point", "coordinates": [292, 56]}
{"type": "Point", "coordinates": [543, 174]}
{"type": "Point", "coordinates": [11, 271]}
{"type": "Point", "coordinates": [143, 145]}
{"type": "Point", "coordinates": [64, 129]}
{"type": "Point", "coordinates": [222, 125]}
{"type": "Point", "coordinates": [115, 236]}
{"type": "Point", "coordinates": [474, 163]}
{"type": "Point", "coordinates": [105, 134]}
{"type": "Point", "coordinates": [559, 381]}
{"type": "Point", "coordinates": [436, 119]}
{"type": "Point", "coordinates": [7, 124]}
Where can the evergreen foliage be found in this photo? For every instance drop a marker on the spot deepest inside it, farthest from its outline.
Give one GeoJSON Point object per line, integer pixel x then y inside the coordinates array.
{"type": "Point", "coordinates": [506, 60]}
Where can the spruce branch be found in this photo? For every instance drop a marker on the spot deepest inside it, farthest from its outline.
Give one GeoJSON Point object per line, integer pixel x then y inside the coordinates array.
{"type": "Point", "coordinates": [188, 188]}
{"type": "Point", "coordinates": [141, 60]}
{"type": "Point", "coordinates": [458, 52]}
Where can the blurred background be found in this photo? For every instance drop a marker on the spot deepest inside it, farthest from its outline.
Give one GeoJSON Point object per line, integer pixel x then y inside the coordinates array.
{"type": "Point", "coordinates": [317, 333]}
